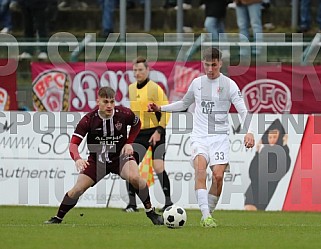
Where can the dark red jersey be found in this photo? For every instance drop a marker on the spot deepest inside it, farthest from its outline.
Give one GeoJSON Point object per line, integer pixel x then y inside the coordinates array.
{"type": "Point", "coordinates": [107, 137]}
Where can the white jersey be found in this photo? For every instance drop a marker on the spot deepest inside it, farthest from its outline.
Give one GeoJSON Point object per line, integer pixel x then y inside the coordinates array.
{"type": "Point", "coordinates": [213, 99]}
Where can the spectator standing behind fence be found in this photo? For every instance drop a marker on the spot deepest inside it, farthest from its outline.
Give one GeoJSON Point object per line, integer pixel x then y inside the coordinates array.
{"type": "Point", "coordinates": [249, 13]}
{"type": "Point", "coordinates": [35, 20]}
{"type": "Point", "coordinates": [108, 7]}
{"type": "Point", "coordinates": [305, 16]}
{"type": "Point", "coordinates": [215, 12]}
{"type": "Point", "coordinates": [5, 16]}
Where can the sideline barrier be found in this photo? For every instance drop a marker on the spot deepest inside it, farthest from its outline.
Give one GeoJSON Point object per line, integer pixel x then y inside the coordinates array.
{"type": "Point", "coordinates": [36, 167]}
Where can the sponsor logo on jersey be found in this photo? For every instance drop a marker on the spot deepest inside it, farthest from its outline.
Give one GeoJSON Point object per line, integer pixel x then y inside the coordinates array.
{"type": "Point", "coordinates": [118, 125]}
{"type": "Point", "coordinates": [208, 107]}
{"type": "Point", "coordinates": [220, 89]}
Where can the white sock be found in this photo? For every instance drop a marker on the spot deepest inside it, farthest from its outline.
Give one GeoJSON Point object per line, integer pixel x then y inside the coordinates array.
{"type": "Point", "coordinates": [202, 200]}
{"type": "Point", "coordinates": [212, 202]}
{"type": "Point", "coordinates": [148, 210]}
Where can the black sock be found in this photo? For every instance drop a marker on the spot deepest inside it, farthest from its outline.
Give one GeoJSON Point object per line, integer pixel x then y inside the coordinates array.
{"type": "Point", "coordinates": [66, 204]}
{"type": "Point", "coordinates": [143, 195]}
{"type": "Point", "coordinates": [164, 181]}
{"type": "Point", "coordinates": [131, 194]}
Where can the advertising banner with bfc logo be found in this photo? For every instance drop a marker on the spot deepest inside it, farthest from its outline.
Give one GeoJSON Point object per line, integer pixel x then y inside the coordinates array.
{"type": "Point", "coordinates": [266, 89]}
{"type": "Point", "coordinates": [8, 85]}
{"type": "Point", "coordinates": [283, 89]}
{"type": "Point", "coordinates": [73, 86]}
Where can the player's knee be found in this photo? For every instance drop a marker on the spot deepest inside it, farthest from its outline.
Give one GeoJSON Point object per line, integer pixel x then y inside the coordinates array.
{"type": "Point", "coordinates": [218, 177]}
{"type": "Point", "coordinates": [201, 172]}
{"type": "Point", "coordinates": [134, 180]}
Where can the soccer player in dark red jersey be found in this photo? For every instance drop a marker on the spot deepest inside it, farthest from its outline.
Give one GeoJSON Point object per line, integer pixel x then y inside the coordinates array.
{"type": "Point", "coordinates": [110, 152]}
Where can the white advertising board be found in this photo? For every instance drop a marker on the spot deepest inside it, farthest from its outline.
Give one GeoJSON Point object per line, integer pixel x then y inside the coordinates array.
{"type": "Point", "coordinates": [36, 169]}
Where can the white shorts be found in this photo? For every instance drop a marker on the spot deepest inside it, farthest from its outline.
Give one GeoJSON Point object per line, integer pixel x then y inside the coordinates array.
{"type": "Point", "coordinates": [215, 149]}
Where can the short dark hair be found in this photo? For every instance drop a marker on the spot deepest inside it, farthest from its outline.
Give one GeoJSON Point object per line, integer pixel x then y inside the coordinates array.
{"type": "Point", "coordinates": [141, 59]}
{"type": "Point", "coordinates": [106, 92]}
{"type": "Point", "coordinates": [212, 53]}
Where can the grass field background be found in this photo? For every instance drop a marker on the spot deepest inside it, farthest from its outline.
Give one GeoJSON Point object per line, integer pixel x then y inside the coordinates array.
{"type": "Point", "coordinates": [22, 227]}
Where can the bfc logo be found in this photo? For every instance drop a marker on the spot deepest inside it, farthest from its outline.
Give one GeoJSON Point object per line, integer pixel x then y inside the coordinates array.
{"type": "Point", "coordinates": [267, 95]}
{"type": "Point", "coordinates": [51, 91]}
{"type": "Point", "coordinates": [75, 89]}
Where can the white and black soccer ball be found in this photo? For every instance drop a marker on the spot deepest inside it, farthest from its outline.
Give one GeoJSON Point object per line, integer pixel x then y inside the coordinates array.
{"type": "Point", "coordinates": [174, 217]}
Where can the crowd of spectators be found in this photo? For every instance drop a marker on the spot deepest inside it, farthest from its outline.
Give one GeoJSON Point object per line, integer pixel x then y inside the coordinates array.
{"type": "Point", "coordinates": [37, 23]}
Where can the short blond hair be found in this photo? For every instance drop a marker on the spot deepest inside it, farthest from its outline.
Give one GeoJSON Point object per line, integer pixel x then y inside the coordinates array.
{"type": "Point", "coordinates": [106, 92]}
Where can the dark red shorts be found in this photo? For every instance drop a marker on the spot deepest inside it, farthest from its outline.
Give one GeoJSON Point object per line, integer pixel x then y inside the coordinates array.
{"type": "Point", "coordinates": [97, 170]}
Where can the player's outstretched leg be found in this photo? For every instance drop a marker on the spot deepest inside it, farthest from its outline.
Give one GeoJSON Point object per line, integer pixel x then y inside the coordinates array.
{"type": "Point", "coordinates": [66, 204]}
{"type": "Point", "coordinates": [71, 198]}
{"type": "Point", "coordinates": [143, 194]}
{"type": "Point", "coordinates": [130, 173]}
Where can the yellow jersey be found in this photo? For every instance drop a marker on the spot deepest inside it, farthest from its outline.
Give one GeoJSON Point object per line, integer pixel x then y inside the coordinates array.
{"type": "Point", "coordinates": [140, 97]}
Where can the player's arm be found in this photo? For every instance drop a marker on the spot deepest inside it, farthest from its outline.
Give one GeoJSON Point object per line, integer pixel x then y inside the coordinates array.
{"type": "Point", "coordinates": [133, 132]}
{"type": "Point", "coordinates": [177, 106]}
{"type": "Point", "coordinates": [249, 140]}
{"type": "Point", "coordinates": [80, 163]}
{"type": "Point", "coordinates": [238, 102]}
{"type": "Point", "coordinates": [76, 139]}
{"type": "Point", "coordinates": [160, 99]}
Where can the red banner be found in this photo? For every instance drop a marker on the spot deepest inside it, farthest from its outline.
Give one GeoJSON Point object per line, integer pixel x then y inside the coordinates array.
{"type": "Point", "coordinates": [266, 89]}
{"type": "Point", "coordinates": [271, 89]}
{"type": "Point", "coordinates": [8, 85]}
{"type": "Point", "coordinates": [304, 190]}
{"type": "Point", "coordinates": [73, 86]}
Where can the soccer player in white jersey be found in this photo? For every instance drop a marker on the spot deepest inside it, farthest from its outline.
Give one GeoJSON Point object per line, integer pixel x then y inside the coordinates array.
{"type": "Point", "coordinates": [213, 95]}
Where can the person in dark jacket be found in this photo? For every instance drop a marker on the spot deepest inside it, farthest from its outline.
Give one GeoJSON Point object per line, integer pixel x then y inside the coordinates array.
{"type": "Point", "coordinates": [215, 12]}
{"type": "Point", "coordinates": [35, 21]}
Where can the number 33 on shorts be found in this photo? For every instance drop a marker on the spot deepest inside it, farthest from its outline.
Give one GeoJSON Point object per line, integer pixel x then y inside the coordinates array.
{"type": "Point", "coordinates": [219, 155]}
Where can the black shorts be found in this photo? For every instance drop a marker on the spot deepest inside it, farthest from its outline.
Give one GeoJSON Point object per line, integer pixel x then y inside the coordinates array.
{"type": "Point", "coordinates": [98, 170]}
{"type": "Point", "coordinates": [141, 145]}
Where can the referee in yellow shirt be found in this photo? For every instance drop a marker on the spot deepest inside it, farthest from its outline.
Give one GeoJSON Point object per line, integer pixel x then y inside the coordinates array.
{"type": "Point", "coordinates": [141, 93]}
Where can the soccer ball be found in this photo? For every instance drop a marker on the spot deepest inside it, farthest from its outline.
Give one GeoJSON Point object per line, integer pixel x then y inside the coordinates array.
{"type": "Point", "coordinates": [174, 217]}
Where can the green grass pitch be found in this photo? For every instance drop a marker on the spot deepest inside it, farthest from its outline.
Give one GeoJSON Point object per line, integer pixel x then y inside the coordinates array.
{"type": "Point", "coordinates": [89, 228]}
